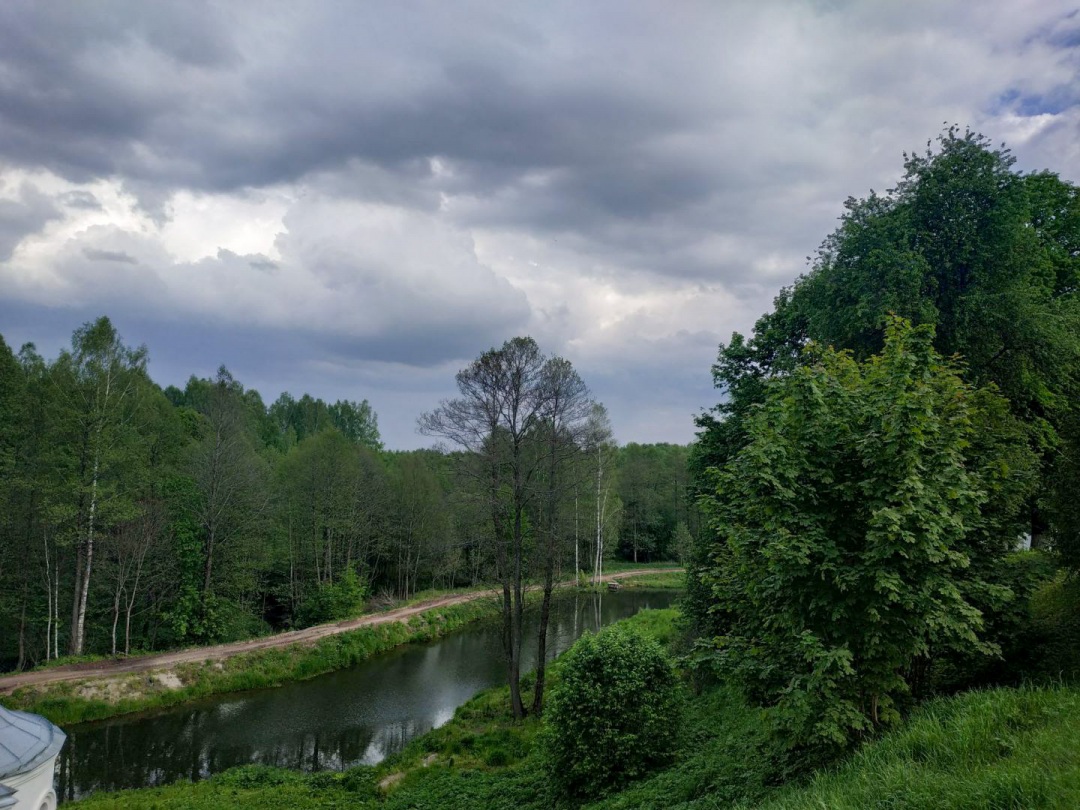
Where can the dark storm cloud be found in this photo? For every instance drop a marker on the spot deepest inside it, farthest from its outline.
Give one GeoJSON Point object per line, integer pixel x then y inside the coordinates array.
{"type": "Point", "coordinates": [155, 95]}
{"type": "Point", "coordinates": [630, 181]}
{"type": "Point", "coordinates": [96, 255]}
{"type": "Point", "coordinates": [80, 199]}
{"type": "Point", "coordinates": [77, 88]}
{"type": "Point", "coordinates": [610, 121]}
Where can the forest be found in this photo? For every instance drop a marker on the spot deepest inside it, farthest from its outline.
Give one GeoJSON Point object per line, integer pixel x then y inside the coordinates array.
{"type": "Point", "coordinates": [135, 518]}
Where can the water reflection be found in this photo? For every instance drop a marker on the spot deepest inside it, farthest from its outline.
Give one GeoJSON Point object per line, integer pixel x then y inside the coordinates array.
{"type": "Point", "coordinates": [335, 721]}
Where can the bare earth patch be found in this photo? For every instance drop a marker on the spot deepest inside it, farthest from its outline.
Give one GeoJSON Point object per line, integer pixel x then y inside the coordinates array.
{"type": "Point", "coordinates": [388, 782]}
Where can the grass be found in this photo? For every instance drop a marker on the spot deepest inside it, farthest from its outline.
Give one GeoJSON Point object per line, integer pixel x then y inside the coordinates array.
{"type": "Point", "coordinates": [65, 660]}
{"type": "Point", "coordinates": [615, 566]}
{"type": "Point", "coordinates": [672, 580]}
{"type": "Point", "coordinates": [998, 749]}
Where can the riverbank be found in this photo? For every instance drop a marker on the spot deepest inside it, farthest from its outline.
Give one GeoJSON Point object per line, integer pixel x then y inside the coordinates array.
{"type": "Point", "coordinates": [481, 745]}
{"type": "Point", "coordinates": [74, 694]}
{"type": "Point", "coordinates": [1005, 748]}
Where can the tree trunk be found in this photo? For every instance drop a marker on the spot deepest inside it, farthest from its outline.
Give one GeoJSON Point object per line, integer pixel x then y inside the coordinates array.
{"type": "Point", "coordinates": [22, 633]}
{"type": "Point", "coordinates": [77, 635]}
{"type": "Point", "coordinates": [56, 607]}
{"type": "Point", "coordinates": [127, 629]}
{"type": "Point", "coordinates": [541, 648]}
{"type": "Point", "coordinates": [208, 564]}
{"type": "Point", "coordinates": [115, 619]}
{"type": "Point", "coordinates": [49, 599]}
{"type": "Point", "coordinates": [515, 658]}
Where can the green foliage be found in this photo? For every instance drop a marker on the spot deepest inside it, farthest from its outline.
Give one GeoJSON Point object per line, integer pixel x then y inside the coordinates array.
{"type": "Point", "coordinates": [987, 255]}
{"type": "Point", "coordinates": [1011, 626]}
{"type": "Point", "coordinates": [845, 538]}
{"type": "Point", "coordinates": [1061, 501]}
{"type": "Point", "coordinates": [683, 543]}
{"type": "Point", "coordinates": [200, 515]}
{"type": "Point", "coordinates": [724, 756]}
{"type": "Point", "coordinates": [294, 420]}
{"type": "Point", "coordinates": [1055, 616]}
{"type": "Point", "coordinates": [652, 482]}
{"type": "Point", "coordinates": [342, 599]}
{"type": "Point", "coordinates": [613, 716]}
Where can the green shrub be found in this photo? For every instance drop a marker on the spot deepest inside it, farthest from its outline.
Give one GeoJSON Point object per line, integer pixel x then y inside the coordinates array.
{"type": "Point", "coordinates": [338, 600]}
{"type": "Point", "coordinates": [851, 539]}
{"type": "Point", "coordinates": [1055, 613]}
{"type": "Point", "coordinates": [613, 715]}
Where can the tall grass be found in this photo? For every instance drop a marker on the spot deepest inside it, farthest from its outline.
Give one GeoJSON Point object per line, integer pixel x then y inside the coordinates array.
{"type": "Point", "coordinates": [1001, 749]}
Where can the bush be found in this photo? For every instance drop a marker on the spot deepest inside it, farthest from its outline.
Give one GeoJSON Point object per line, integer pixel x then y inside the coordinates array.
{"type": "Point", "coordinates": [330, 602]}
{"type": "Point", "coordinates": [1055, 613]}
{"type": "Point", "coordinates": [613, 715]}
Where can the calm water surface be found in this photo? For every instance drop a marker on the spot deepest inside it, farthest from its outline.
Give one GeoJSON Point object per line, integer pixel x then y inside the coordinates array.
{"type": "Point", "coordinates": [346, 718]}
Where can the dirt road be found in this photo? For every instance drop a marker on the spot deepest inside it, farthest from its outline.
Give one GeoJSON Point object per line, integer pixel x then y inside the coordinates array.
{"type": "Point", "coordinates": [147, 663]}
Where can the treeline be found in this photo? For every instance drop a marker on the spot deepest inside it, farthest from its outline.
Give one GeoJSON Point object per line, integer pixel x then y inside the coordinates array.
{"type": "Point", "coordinates": [895, 429]}
{"type": "Point", "coordinates": [136, 518]}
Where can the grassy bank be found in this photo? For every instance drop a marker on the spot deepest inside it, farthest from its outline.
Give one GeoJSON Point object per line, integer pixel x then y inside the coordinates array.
{"type": "Point", "coordinates": [72, 702]}
{"type": "Point", "coordinates": [1001, 748]}
{"type": "Point", "coordinates": [662, 580]}
{"type": "Point", "coordinates": [75, 702]}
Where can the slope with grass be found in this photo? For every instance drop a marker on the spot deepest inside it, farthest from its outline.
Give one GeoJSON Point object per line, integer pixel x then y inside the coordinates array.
{"type": "Point", "coordinates": [1001, 748]}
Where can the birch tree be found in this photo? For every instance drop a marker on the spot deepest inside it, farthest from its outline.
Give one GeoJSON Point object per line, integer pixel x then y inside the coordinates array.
{"type": "Point", "coordinates": [102, 379]}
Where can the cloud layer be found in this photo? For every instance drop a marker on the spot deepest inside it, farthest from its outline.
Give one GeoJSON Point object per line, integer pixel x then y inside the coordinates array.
{"type": "Point", "coordinates": [355, 200]}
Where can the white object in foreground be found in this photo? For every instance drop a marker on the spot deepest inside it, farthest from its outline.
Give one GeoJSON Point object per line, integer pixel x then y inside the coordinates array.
{"type": "Point", "coordinates": [29, 745]}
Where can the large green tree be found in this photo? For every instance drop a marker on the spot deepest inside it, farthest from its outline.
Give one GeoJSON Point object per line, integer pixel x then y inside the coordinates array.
{"type": "Point", "coordinates": [988, 255]}
{"type": "Point", "coordinates": [850, 533]}
{"type": "Point", "coordinates": [102, 384]}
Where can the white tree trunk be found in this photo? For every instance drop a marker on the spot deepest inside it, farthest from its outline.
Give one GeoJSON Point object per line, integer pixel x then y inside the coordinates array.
{"type": "Point", "coordinates": [84, 586]}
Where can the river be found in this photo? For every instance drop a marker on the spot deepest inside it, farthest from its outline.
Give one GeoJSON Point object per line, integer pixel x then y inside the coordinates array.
{"type": "Point", "coordinates": [335, 721]}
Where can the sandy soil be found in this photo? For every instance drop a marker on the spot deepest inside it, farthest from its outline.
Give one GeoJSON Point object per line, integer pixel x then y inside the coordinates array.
{"type": "Point", "coordinates": [165, 661]}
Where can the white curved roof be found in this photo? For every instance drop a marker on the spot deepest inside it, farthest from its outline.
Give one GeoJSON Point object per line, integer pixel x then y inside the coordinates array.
{"type": "Point", "coordinates": [26, 740]}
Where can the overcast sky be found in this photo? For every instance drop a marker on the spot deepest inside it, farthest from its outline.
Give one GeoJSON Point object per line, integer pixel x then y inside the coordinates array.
{"type": "Point", "coordinates": [356, 199]}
